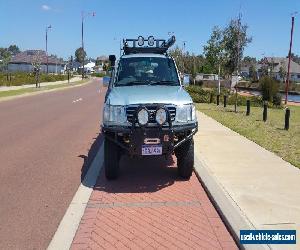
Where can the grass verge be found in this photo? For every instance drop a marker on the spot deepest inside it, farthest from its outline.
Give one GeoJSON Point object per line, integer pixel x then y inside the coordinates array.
{"type": "Point", "coordinates": [18, 92]}
{"type": "Point", "coordinates": [270, 134]}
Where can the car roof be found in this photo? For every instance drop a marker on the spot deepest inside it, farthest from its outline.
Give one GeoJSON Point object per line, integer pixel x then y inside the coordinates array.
{"type": "Point", "coordinates": [145, 55]}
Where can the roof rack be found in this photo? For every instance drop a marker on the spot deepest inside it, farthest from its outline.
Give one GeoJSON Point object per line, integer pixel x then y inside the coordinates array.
{"type": "Point", "coordinates": [156, 46]}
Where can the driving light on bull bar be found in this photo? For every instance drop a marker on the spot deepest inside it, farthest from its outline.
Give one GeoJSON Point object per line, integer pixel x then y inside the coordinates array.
{"type": "Point", "coordinates": [185, 113]}
{"type": "Point", "coordinates": [113, 114]}
{"type": "Point", "coordinates": [143, 117]}
{"type": "Point", "coordinates": [161, 116]}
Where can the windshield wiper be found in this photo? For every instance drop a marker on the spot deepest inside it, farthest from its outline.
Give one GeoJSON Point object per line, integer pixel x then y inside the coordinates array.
{"type": "Point", "coordinates": [164, 82]}
{"type": "Point", "coordinates": [133, 83]}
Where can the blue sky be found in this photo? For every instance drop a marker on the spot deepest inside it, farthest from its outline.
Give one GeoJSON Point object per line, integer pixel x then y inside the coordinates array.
{"type": "Point", "coordinates": [23, 23]}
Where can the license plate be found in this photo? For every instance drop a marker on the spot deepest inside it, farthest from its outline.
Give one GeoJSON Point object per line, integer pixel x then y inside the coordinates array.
{"type": "Point", "coordinates": [151, 150]}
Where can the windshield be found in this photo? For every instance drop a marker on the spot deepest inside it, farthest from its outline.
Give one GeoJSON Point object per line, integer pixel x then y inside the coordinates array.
{"type": "Point", "coordinates": [146, 71]}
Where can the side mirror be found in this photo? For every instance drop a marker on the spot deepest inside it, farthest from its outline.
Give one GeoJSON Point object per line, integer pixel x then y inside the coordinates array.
{"type": "Point", "coordinates": [106, 81]}
{"type": "Point", "coordinates": [186, 80]}
{"type": "Point", "coordinates": [112, 59]}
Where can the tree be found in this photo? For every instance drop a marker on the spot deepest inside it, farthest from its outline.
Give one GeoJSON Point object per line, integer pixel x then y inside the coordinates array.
{"type": "Point", "coordinates": [295, 58]}
{"type": "Point", "coordinates": [252, 73]}
{"type": "Point", "coordinates": [249, 60]}
{"type": "Point", "coordinates": [226, 47]}
{"type": "Point", "coordinates": [282, 73]}
{"type": "Point", "coordinates": [5, 57]}
{"type": "Point", "coordinates": [13, 49]}
{"type": "Point", "coordinates": [36, 64]}
{"type": "Point", "coordinates": [80, 55]}
{"type": "Point", "coordinates": [214, 51]}
{"type": "Point", "coordinates": [186, 63]}
{"type": "Point", "coordinates": [235, 40]}
{"type": "Point", "coordinates": [269, 88]}
{"type": "Point", "coordinates": [178, 56]}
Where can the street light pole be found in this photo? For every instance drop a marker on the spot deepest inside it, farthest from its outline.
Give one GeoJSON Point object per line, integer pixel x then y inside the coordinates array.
{"type": "Point", "coordinates": [47, 28]}
{"type": "Point", "coordinates": [83, 15]}
{"type": "Point", "coordinates": [82, 46]}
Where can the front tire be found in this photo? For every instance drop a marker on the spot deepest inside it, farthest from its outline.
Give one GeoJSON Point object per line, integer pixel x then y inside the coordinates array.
{"type": "Point", "coordinates": [185, 159]}
{"type": "Point", "coordinates": [111, 159]}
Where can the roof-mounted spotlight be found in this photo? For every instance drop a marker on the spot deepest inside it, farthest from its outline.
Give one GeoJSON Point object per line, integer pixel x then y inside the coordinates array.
{"type": "Point", "coordinates": [170, 42]}
{"type": "Point", "coordinates": [151, 40]}
{"type": "Point", "coordinates": [140, 41]}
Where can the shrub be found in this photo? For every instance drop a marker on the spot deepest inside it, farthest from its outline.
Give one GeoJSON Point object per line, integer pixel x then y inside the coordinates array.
{"type": "Point", "coordinates": [20, 78]}
{"type": "Point", "coordinates": [98, 74]}
{"type": "Point", "coordinates": [269, 88]}
{"type": "Point", "coordinates": [256, 101]}
{"type": "Point", "coordinates": [277, 100]}
{"type": "Point", "coordinates": [199, 94]}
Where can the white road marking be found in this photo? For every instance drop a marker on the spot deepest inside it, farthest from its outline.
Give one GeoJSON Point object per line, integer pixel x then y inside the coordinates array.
{"type": "Point", "coordinates": [77, 100]}
{"type": "Point", "coordinates": [68, 226]}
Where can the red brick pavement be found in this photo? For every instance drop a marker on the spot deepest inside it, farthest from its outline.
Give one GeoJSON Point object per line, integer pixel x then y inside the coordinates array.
{"type": "Point", "coordinates": [149, 207]}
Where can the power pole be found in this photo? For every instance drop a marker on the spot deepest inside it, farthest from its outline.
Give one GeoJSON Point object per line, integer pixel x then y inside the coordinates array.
{"type": "Point", "coordinates": [289, 64]}
{"type": "Point", "coordinates": [82, 45]}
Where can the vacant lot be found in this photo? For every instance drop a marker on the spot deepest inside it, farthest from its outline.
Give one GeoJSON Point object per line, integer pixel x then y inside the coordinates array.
{"type": "Point", "coordinates": [270, 135]}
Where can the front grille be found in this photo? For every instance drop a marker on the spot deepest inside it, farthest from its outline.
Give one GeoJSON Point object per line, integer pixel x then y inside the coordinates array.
{"type": "Point", "coordinates": [130, 111]}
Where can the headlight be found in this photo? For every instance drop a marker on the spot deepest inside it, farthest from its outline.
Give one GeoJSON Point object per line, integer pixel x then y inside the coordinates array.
{"type": "Point", "coordinates": [114, 115]}
{"type": "Point", "coordinates": [161, 116]}
{"type": "Point", "coordinates": [185, 113]}
{"type": "Point", "coordinates": [143, 117]}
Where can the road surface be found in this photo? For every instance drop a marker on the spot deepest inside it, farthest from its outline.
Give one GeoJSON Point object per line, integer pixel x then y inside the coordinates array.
{"type": "Point", "coordinates": [45, 140]}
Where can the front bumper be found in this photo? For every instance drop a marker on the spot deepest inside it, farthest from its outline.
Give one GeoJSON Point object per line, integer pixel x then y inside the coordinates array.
{"type": "Point", "coordinates": [131, 139]}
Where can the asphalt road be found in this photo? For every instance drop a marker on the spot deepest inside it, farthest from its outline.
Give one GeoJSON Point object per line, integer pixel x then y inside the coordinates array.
{"type": "Point", "coordinates": [46, 142]}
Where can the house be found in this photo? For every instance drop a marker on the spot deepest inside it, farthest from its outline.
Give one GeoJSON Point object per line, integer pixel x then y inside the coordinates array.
{"type": "Point", "coordinates": [23, 62]}
{"type": "Point", "coordinates": [89, 67]}
{"type": "Point", "coordinates": [276, 65]}
{"type": "Point", "coordinates": [101, 62]}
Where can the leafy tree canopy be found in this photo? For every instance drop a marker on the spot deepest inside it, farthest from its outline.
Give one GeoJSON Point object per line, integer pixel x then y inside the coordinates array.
{"type": "Point", "coordinates": [80, 55]}
{"type": "Point", "coordinates": [226, 47]}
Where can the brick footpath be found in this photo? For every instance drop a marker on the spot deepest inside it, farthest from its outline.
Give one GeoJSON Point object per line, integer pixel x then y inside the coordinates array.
{"type": "Point", "coordinates": [149, 207]}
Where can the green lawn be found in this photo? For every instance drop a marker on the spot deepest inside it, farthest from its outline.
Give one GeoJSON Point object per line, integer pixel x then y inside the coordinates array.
{"type": "Point", "coordinates": [270, 135]}
{"type": "Point", "coordinates": [33, 90]}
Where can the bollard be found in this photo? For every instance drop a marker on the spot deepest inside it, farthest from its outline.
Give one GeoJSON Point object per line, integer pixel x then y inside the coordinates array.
{"type": "Point", "coordinates": [287, 119]}
{"type": "Point", "coordinates": [225, 101]}
{"type": "Point", "coordinates": [248, 107]}
{"type": "Point", "coordinates": [218, 100]}
{"type": "Point", "coordinates": [211, 98]}
{"type": "Point", "coordinates": [265, 112]}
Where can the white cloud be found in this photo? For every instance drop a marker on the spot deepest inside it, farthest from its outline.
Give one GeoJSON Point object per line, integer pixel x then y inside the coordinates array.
{"type": "Point", "coordinates": [46, 7]}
